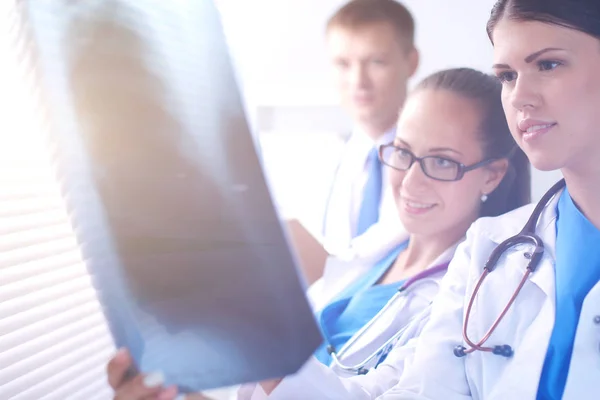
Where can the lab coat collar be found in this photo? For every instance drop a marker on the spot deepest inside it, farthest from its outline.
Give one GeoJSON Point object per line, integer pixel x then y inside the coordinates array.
{"type": "Point", "coordinates": [510, 224]}
{"type": "Point", "coordinates": [339, 273]}
{"type": "Point", "coordinates": [447, 255]}
{"type": "Point", "coordinates": [362, 140]}
{"type": "Point", "coordinates": [544, 276]}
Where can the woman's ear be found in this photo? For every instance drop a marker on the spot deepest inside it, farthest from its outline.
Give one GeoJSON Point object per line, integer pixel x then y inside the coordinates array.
{"type": "Point", "coordinates": [495, 172]}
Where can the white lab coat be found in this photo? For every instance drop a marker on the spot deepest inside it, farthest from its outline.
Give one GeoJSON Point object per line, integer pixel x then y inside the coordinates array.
{"type": "Point", "coordinates": [436, 374]}
{"type": "Point", "coordinates": [316, 381]}
{"type": "Point", "coordinates": [330, 213]}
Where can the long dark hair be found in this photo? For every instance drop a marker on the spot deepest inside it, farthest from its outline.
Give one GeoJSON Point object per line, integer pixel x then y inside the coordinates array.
{"type": "Point", "coordinates": [581, 15]}
{"type": "Point", "coordinates": [485, 91]}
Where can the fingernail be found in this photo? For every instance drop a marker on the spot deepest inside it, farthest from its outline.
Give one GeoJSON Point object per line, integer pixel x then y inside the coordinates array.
{"type": "Point", "coordinates": [154, 379]}
{"type": "Point", "coordinates": [121, 353]}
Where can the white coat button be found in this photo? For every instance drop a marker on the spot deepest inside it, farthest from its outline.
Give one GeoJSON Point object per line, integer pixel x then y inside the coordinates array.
{"type": "Point", "coordinates": [597, 319]}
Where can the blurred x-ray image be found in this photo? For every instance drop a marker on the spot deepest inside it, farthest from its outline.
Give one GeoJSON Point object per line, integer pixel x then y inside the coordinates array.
{"type": "Point", "coordinates": [167, 193]}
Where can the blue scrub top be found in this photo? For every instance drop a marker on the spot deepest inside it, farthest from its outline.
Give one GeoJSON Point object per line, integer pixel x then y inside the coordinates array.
{"type": "Point", "coordinates": [355, 306]}
{"type": "Point", "coordinates": [577, 270]}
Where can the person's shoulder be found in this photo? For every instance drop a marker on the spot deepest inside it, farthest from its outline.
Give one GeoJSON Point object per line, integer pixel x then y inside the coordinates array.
{"type": "Point", "coordinates": [484, 235]}
{"type": "Point", "coordinates": [501, 227]}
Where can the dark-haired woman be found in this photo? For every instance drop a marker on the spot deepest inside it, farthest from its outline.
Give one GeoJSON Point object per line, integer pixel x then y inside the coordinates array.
{"type": "Point", "coordinates": [526, 325]}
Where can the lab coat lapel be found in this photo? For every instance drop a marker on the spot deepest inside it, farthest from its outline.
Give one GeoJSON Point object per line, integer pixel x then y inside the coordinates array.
{"type": "Point", "coordinates": [544, 276]}
{"type": "Point", "coordinates": [521, 379]}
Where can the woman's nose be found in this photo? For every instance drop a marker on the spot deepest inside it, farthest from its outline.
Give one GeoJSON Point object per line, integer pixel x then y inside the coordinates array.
{"type": "Point", "coordinates": [414, 177]}
{"type": "Point", "coordinates": [525, 94]}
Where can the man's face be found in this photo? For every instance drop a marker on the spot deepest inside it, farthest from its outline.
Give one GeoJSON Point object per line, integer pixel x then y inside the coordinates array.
{"type": "Point", "coordinates": [371, 69]}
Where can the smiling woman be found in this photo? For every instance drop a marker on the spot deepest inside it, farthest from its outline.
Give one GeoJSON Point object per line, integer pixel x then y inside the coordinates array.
{"type": "Point", "coordinates": [548, 66]}
{"type": "Point", "coordinates": [547, 56]}
{"type": "Point", "coordinates": [474, 95]}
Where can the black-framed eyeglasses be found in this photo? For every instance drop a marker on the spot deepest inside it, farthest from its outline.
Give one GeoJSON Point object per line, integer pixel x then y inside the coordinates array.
{"type": "Point", "coordinates": [435, 167]}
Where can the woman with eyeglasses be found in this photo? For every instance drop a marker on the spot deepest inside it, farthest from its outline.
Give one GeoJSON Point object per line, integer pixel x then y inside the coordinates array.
{"type": "Point", "coordinates": [453, 161]}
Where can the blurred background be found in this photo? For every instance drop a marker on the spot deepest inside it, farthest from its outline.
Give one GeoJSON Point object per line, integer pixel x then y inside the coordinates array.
{"type": "Point", "coordinates": [280, 51]}
{"type": "Point", "coordinates": [278, 47]}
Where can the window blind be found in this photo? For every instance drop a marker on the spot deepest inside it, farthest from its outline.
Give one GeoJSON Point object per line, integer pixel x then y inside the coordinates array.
{"type": "Point", "coordinates": [54, 342]}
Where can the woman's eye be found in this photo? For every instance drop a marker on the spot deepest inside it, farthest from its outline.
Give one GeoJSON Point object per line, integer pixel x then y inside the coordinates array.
{"type": "Point", "coordinates": [443, 163]}
{"type": "Point", "coordinates": [507, 76]}
{"type": "Point", "coordinates": [401, 153]}
{"type": "Point", "coordinates": [548, 65]}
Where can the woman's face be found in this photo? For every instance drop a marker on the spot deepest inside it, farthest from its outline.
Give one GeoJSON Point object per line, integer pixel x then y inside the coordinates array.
{"type": "Point", "coordinates": [551, 92]}
{"type": "Point", "coordinates": [441, 123]}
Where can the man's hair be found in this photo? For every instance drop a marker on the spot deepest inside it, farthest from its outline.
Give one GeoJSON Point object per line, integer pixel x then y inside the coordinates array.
{"type": "Point", "coordinates": [358, 13]}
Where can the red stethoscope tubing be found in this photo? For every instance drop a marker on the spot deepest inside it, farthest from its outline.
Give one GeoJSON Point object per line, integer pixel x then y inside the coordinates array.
{"type": "Point", "coordinates": [526, 236]}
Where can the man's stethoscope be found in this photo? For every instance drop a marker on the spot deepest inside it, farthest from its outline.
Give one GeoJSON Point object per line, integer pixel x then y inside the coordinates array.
{"type": "Point", "coordinates": [526, 236]}
{"type": "Point", "coordinates": [375, 358]}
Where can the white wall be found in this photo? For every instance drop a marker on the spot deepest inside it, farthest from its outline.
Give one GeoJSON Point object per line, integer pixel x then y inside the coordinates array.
{"type": "Point", "coordinates": [280, 49]}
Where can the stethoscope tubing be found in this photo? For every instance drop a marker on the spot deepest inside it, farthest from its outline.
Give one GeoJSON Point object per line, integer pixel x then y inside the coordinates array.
{"type": "Point", "coordinates": [403, 292]}
{"type": "Point", "coordinates": [526, 236]}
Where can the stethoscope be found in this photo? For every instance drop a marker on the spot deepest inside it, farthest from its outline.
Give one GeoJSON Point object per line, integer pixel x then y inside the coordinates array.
{"type": "Point", "coordinates": [526, 236]}
{"type": "Point", "coordinates": [379, 355]}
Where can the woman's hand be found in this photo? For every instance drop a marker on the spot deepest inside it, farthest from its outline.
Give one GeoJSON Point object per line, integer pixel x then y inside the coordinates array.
{"type": "Point", "coordinates": [139, 387]}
